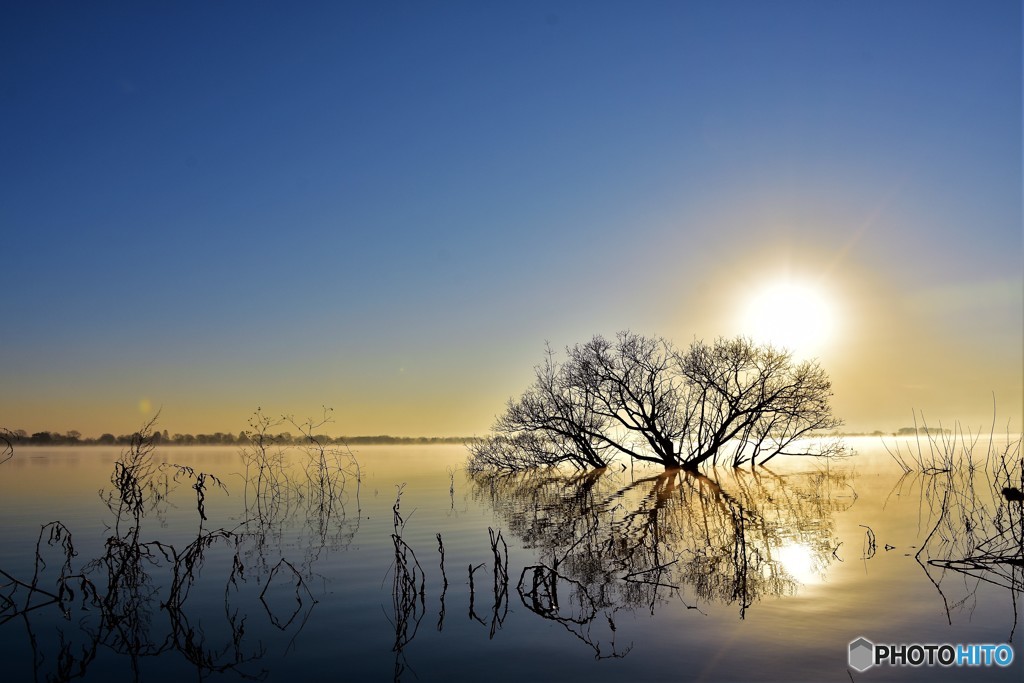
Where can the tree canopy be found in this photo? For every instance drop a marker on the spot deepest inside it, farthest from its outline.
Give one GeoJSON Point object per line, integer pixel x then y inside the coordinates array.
{"type": "Point", "coordinates": [731, 402]}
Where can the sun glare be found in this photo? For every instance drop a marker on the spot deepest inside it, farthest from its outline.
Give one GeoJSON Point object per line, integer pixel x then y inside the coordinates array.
{"type": "Point", "coordinates": [797, 316]}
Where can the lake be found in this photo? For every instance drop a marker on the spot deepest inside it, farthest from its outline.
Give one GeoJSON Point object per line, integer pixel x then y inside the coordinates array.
{"type": "Point", "coordinates": [394, 562]}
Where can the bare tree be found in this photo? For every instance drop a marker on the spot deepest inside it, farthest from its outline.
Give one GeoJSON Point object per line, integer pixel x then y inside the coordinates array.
{"type": "Point", "coordinates": [731, 401]}
{"type": "Point", "coordinates": [754, 397]}
{"type": "Point", "coordinates": [557, 420]}
{"type": "Point", "coordinates": [638, 394]}
{"type": "Point", "coordinates": [7, 439]}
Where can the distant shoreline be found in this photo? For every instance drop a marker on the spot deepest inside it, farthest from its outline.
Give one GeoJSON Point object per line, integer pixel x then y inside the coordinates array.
{"type": "Point", "coordinates": [221, 439]}
{"type": "Point", "coordinates": [224, 440]}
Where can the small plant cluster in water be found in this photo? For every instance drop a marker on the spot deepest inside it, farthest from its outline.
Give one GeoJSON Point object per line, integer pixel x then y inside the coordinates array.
{"type": "Point", "coordinates": [975, 506]}
{"type": "Point", "coordinates": [115, 597]}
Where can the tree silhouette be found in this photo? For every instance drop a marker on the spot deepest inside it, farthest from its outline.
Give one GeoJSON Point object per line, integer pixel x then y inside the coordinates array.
{"type": "Point", "coordinates": [732, 401]}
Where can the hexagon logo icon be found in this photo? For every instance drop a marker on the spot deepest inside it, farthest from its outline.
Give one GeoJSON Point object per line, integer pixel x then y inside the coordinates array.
{"type": "Point", "coordinates": [862, 654]}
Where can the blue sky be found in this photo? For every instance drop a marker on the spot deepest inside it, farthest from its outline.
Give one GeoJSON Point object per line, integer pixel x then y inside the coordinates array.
{"type": "Point", "coordinates": [389, 207]}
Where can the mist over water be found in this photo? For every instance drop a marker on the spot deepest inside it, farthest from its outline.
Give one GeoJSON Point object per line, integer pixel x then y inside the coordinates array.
{"type": "Point", "coordinates": [635, 573]}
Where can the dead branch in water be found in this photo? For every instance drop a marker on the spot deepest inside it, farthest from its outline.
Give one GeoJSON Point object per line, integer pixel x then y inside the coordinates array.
{"type": "Point", "coordinates": [500, 609]}
{"type": "Point", "coordinates": [408, 588]}
{"type": "Point", "coordinates": [869, 543]}
{"type": "Point", "coordinates": [472, 593]}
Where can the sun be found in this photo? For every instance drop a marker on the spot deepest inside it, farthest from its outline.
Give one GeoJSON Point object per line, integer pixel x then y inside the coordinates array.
{"type": "Point", "coordinates": [798, 316]}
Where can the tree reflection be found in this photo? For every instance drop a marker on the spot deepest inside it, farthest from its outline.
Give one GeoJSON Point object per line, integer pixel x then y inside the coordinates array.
{"type": "Point", "coordinates": [608, 542]}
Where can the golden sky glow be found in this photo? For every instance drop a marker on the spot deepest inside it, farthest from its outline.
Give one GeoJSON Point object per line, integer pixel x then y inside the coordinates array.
{"type": "Point", "coordinates": [334, 210]}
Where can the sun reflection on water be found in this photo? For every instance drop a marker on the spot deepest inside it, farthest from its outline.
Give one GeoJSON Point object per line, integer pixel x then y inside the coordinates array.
{"type": "Point", "coordinates": [798, 561]}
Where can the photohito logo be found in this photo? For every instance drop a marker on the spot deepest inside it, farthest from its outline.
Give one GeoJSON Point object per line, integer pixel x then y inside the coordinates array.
{"type": "Point", "coordinates": [864, 654]}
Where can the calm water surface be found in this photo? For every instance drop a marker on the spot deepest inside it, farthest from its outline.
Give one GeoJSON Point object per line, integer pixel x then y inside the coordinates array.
{"type": "Point", "coordinates": [614, 575]}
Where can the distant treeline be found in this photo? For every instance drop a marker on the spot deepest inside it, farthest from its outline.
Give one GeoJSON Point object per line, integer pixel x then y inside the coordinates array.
{"type": "Point", "coordinates": [902, 431]}
{"type": "Point", "coordinates": [911, 431]}
{"type": "Point", "coordinates": [75, 438]}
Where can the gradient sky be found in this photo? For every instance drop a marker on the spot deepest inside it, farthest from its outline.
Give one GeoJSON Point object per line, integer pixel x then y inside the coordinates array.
{"type": "Point", "coordinates": [388, 207]}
